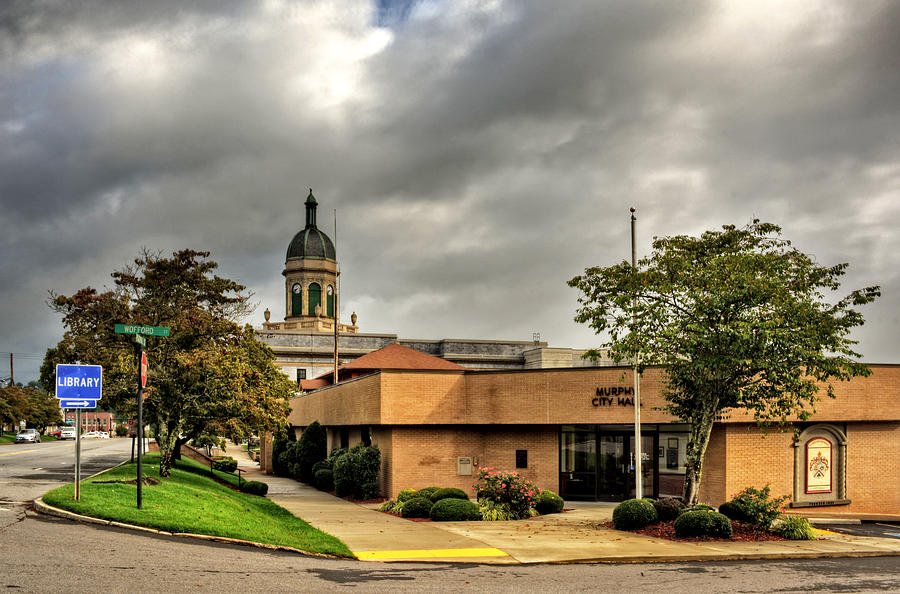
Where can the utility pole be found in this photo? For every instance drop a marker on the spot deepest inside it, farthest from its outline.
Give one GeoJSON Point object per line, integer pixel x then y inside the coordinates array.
{"type": "Point", "coordinates": [12, 381]}
{"type": "Point", "coordinates": [638, 456]}
{"type": "Point", "coordinates": [337, 291]}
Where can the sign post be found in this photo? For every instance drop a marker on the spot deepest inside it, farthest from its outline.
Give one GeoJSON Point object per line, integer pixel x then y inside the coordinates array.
{"type": "Point", "coordinates": [140, 333]}
{"type": "Point", "coordinates": [78, 387]}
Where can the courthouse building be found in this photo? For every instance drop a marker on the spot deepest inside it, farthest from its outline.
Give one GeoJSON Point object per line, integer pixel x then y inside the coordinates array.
{"type": "Point", "coordinates": [441, 409]}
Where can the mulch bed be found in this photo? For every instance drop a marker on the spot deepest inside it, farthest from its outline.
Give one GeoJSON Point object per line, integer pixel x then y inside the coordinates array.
{"type": "Point", "coordinates": [739, 533]}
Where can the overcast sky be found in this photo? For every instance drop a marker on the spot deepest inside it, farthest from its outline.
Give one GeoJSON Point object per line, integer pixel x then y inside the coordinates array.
{"type": "Point", "coordinates": [478, 154]}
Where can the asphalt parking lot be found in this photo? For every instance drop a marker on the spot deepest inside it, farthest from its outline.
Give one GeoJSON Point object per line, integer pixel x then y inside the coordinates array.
{"type": "Point", "coordinates": [877, 529]}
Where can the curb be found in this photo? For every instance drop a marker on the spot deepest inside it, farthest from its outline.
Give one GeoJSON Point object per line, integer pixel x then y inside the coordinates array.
{"type": "Point", "coordinates": [42, 508]}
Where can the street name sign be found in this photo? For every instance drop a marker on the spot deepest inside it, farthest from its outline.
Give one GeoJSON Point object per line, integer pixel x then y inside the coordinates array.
{"type": "Point", "coordinates": [144, 330]}
{"type": "Point", "coordinates": [79, 382]}
{"type": "Point", "coordinates": [66, 403]}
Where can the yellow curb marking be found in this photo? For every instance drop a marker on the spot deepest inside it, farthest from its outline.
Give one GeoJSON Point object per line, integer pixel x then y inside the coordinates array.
{"type": "Point", "coordinates": [820, 531]}
{"type": "Point", "coordinates": [428, 553]}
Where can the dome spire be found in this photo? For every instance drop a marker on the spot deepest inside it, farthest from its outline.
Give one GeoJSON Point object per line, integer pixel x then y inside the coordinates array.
{"type": "Point", "coordinates": [311, 210]}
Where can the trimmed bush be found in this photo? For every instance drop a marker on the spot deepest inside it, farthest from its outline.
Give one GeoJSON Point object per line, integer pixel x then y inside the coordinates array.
{"type": "Point", "coordinates": [321, 465]}
{"type": "Point", "coordinates": [427, 491]}
{"type": "Point", "coordinates": [224, 463]}
{"type": "Point", "coordinates": [343, 476]}
{"type": "Point", "coordinates": [448, 493]}
{"type": "Point", "coordinates": [700, 507]}
{"type": "Point", "coordinates": [369, 491]}
{"type": "Point", "coordinates": [702, 523]}
{"type": "Point", "coordinates": [255, 488]}
{"type": "Point", "coordinates": [325, 479]}
{"type": "Point", "coordinates": [311, 448]}
{"type": "Point", "coordinates": [417, 507]}
{"type": "Point", "coordinates": [452, 509]}
{"type": "Point", "coordinates": [406, 494]}
{"type": "Point", "coordinates": [634, 514]}
{"type": "Point", "coordinates": [795, 528]}
{"type": "Point", "coordinates": [549, 502]}
{"type": "Point", "coordinates": [668, 509]}
{"type": "Point", "coordinates": [734, 512]}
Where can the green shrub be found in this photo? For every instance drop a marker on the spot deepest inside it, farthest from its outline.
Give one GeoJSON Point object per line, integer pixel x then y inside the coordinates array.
{"type": "Point", "coordinates": [224, 463]}
{"type": "Point", "coordinates": [700, 507]}
{"type": "Point", "coordinates": [417, 507]}
{"type": "Point", "coordinates": [279, 447]}
{"type": "Point", "coordinates": [497, 512]}
{"type": "Point", "coordinates": [508, 490]}
{"type": "Point", "coordinates": [668, 509]}
{"type": "Point", "coordinates": [549, 502]}
{"type": "Point", "coordinates": [325, 479]}
{"type": "Point", "coordinates": [634, 514]}
{"type": "Point", "coordinates": [321, 465]}
{"type": "Point", "coordinates": [427, 491]}
{"type": "Point", "coordinates": [343, 476]}
{"type": "Point", "coordinates": [406, 494]}
{"type": "Point", "coordinates": [388, 506]}
{"type": "Point", "coordinates": [756, 507]}
{"type": "Point", "coordinates": [734, 512]}
{"type": "Point", "coordinates": [702, 523]}
{"type": "Point", "coordinates": [255, 488]}
{"type": "Point", "coordinates": [369, 491]}
{"type": "Point", "coordinates": [448, 493]}
{"type": "Point", "coordinates": [453, 509]}
{"type": "Point", "coordinates": [795, 528]}
{"type": "Point", "coordinates": [311, 448]}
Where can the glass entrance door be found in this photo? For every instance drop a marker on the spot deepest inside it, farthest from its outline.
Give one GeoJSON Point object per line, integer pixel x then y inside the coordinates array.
{"type": "Point", "coordinates": [600, 464]}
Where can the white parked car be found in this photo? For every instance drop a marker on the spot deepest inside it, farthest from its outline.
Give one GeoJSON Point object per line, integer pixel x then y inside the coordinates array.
{"type": "Point", "coordinates": [28, 436]}
{"type": "Point", "coordinates": [90, 435]}
{"type": "Point", "coordinates": [103, 435]}
{"type": "Point", "coordinates": [67, 432]}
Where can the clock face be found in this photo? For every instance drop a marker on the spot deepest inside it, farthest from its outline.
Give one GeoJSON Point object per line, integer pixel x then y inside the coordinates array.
{"type": "Point", "coordinates": [296, 288]}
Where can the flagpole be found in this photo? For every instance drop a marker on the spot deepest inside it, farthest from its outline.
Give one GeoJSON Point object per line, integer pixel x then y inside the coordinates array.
{"type": "Point", "coordinates": [638, 457]}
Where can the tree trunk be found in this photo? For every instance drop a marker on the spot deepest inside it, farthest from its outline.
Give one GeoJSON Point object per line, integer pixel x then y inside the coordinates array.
{"type": "Point", "coordinates": [701, 429]}
{"type": "Point", "coordinates": [167, 440]}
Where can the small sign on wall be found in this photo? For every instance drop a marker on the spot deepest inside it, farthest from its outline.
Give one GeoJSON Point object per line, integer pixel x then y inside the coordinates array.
{"type": "Point", "coordinates": [464, 466]}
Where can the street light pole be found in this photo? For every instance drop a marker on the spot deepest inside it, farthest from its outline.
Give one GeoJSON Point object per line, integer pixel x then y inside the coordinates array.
{"type": "Point", "coordinates": [638, 456]}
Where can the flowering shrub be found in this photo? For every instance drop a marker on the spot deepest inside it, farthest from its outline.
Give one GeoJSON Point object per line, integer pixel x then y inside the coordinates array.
{"type": "Point", "coordinates": [505, 491]}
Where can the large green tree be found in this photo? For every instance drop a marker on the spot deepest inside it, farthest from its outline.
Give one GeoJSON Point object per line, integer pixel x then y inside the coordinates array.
{"type": "Point", "coordinates": [739, 318]}
{"type": "Point", "coordinates": [209, 376]}
{"type": "Point", "coordinates": [31, 404]}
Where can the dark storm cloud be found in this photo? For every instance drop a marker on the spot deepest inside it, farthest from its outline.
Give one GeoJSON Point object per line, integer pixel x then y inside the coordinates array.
{"type": "Point", "coordinates": [478, 155]}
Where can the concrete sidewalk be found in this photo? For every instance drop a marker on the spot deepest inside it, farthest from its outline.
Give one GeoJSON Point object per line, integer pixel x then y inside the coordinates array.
{"type": "Point", "coordinates": [570, 537]}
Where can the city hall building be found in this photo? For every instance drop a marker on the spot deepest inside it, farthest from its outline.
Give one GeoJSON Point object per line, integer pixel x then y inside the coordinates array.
{"type": "Point", "coordinates": [441, 409]}
{"type": "Point", "coordinates": [571, 431]}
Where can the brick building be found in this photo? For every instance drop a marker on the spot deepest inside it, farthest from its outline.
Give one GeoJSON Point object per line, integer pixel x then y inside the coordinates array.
{"type": "Point", "coordinates": [571, 431]}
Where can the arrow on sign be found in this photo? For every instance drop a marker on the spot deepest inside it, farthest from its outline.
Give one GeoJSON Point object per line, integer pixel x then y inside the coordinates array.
{"type": "Point", "coordinates": [77, 403]}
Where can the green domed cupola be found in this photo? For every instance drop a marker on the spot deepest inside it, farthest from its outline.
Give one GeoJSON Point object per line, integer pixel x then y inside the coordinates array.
{"type": "Point", "coordinates": [310, 242]}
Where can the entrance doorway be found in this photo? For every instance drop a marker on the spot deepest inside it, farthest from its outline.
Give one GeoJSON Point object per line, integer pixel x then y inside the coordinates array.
{"type": "Point", "coordinates": [598, 463]}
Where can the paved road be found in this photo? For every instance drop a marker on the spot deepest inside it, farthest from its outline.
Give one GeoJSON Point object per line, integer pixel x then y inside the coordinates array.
{"type": "Point", "coordinates": [44, 554]}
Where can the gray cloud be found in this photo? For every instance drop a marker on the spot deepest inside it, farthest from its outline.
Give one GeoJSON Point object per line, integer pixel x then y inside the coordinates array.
{"type": "Point", "coordinates": [478, 156]}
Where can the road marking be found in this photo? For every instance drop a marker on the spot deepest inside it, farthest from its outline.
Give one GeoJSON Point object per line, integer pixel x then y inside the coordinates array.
{"type": "Point", "coordinates": [17, 453]}
{"type": "Point", "coordinates": [427, 554]}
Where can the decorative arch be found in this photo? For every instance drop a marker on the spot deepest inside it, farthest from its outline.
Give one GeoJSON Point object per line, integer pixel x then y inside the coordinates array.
{"type": "Point", "coordinates": [296, 299]}
{"type": "Point", "coordinates": [820, 466]}
{"type": "Point", "coordinates": [314, 298]}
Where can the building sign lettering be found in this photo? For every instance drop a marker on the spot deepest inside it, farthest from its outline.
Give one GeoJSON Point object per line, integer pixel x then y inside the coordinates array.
{"type": "Point", "coordinates": [614, 396]}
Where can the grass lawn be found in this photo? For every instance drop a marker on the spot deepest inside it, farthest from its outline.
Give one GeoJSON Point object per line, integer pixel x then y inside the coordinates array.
{"type": "Point", "coordinates": [191, 501]}
{"type": "Point", "coordinates": [7, 438]}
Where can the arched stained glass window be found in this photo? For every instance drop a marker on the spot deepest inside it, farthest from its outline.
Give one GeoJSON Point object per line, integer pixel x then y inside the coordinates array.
{"type": "Point", "coordinates": [315, 298]}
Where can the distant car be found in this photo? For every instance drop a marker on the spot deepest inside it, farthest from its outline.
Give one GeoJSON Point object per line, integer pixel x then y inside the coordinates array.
{"type": "Point", "coordinates": [90, 435]}
{"type": "Point", "coordinates": [28, 436]}
{"type": "Point", "coordinates": [103, 435]}
{"type": "Point", "coordinates": [66, 433]}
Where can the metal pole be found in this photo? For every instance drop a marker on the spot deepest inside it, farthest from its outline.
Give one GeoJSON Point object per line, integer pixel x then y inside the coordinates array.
{"type": "Point", "coordinates": [77, 454]}
{"type": "Point", "coordinates": [140, 427]}
{"type": "Point", "coordinates": [638, 457]}
{"type": "Point", "coordinates": [337, 286]}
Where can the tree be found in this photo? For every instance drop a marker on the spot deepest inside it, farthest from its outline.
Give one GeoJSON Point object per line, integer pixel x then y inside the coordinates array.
{"type": "Point", "coordinates": [739, 319]}
{"type": "Point", "coordinates": [37, 408]}
{"type": "Point", "coordinates": [208, 376]}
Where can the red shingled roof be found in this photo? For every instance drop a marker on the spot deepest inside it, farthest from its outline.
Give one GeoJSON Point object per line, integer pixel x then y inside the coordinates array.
{"type": "Point", "coordinates": [397, 356]}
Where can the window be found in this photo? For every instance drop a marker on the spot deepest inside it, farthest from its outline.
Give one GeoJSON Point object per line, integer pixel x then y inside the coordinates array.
{"type": "Point", "coordinates": [297, 300]}
{"type": "Point", "coordinates": [521, 458]}
{"type": "Point", "coordinates": [301, 375]}
{"type": "Point", "coordinates": [329, 301]}
{"type": "Point", "coordinates": [314, 298]}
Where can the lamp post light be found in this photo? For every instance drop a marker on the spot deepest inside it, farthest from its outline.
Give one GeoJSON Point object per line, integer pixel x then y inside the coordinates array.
{"type": "Point", "coordinates": [638, 455]}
